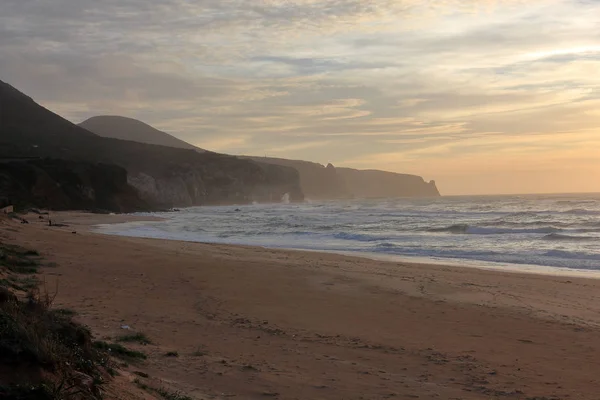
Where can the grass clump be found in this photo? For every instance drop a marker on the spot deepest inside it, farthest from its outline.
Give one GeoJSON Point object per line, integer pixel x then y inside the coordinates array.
{"type": "Point", "coordinates": [22, 284]}
{"type": "Point", "coordinates": [34, 338]}
{"type": "Point", "coordinates": [141, 385]}
{"type": "Point", "coordinates": [44, 354]}
{"type": "Point", "coordinates": [167, 395]}
{"type": "Point", "coordinates": [135, 338]}
{"type": "Point", "coordinates": [26, 392]}
{"type": "Point", "coordinates": [162, 392]}
{"type": "Point", "coordinates": [199, 352]}
{"type": "Point", "coordinates": [19, 260]}
{"type": "Point", "coordinates": [120, 351]}
{"type": "Point", "coordinates": [65, 312]}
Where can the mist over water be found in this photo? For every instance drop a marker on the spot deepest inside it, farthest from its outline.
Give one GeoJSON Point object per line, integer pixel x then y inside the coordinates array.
{"type": "Point", "coordinates": [546, 230]}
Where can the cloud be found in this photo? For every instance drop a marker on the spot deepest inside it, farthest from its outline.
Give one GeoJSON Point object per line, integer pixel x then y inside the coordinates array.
{"type": "Point", "coordinates": [332, 80]}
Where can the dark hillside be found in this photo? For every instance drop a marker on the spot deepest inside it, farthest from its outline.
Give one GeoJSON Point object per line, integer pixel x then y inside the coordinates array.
{"type": "Point", "coordinates": [67, 185]}
{"type": "Point", "coordinates": [164, 176]}
{"type": "Point", "coordinates": [131, 129]}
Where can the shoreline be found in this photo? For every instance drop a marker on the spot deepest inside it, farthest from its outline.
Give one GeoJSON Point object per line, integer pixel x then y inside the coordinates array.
{"type": "Point", "coordinates": [392, 258]}
{"type": "Point", "coordinates": [253, 323]}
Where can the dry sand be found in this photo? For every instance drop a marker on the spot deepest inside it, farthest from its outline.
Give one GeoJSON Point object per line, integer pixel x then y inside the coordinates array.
{"type": "Point", "coordinates": [252, 323]}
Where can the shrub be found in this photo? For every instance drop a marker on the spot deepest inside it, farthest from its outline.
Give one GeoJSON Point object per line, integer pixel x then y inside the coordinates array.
{"type": "Point", "coordinates": [32, 335]}
{"type": "Point", "coordinates": [137, 337]}
{"type": "Point", "coordinates": [120, 351]}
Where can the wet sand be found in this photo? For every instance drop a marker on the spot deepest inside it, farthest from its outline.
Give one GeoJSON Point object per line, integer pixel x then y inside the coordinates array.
{"type": "Point", "coordinates": [254, 323]}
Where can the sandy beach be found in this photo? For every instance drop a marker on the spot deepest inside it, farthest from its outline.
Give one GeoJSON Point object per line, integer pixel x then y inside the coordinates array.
{"type": "Point", "coordinates": [254, 323]}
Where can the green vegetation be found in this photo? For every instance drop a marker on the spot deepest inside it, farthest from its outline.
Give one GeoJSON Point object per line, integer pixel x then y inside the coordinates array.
{"type": "Point", "coordinates": [167, 395]}
{"type": "Point", "coordinates": [199, 352]}
{"type": "Point", "coordinates": [32, 335]}
{"type": "Point", "coordinates": [162, 392]}
{"type": "Point", "coordinates": [18, 283]}
{"type": "Point", "coordinates": [26, 392]}
{"type": "Point", "coordinates": [18, 260]}
{"type": "Point", "coordinates": [67, 312]}
{"type": "Point", "coordinates": [53, 355]}
{"type": "Point", "coordinates": [136, 337]}
{"type": "Point", "coordinates": [120, 351]}
{"type": "Point", "coordinates": [141, 385]}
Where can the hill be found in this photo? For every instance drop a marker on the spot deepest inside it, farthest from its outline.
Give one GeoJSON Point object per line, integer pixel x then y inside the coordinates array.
{"type": "Point", "coordinates": [162, 176]}
{"type": "Point", "coordinates": [317, 181]}
{"type": "Point", "coordinates": [131, 129]}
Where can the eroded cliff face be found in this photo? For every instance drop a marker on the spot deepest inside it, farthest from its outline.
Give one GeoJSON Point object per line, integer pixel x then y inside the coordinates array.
{"type": "Point", "coordinates": [196, 187]}
{"type": "Point", "coordinates": [317, 181]}
{"type": "Point", "coordinates": [374, 183]}
{"type": "Point", "coordinates": [182, 191]}
{"type": "Point", "coordinates": [67, 185]}
{"type": "Point", "coordinates": [163, 176]}
{"type": "Point", "coordinates": [328, 182]}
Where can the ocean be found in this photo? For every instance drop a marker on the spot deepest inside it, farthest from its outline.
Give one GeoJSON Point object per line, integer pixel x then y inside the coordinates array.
{"type": "Point", "coordinates": [559, 231]}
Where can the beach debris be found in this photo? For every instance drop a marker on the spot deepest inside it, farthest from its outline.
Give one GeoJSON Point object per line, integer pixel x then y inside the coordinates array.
{"type": "Point", "coordinates": [126, 327]}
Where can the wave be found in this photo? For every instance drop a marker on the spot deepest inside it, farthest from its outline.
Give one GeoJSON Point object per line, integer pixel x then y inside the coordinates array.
{"type": "Point", "coordinates": [357, 236]}
{"type": "Point", "coordinates": [571, 202]}
{"type": "Point", "coordinates": [559, 236]}
{"type": "Point", "coordinates": [458, 228]}
{"type": "Point", "coordinates": [580, 211]}
{"type": "Point", "coordinates": [572, 255]}
{"type": "Point", "coordinates": [476, 230]}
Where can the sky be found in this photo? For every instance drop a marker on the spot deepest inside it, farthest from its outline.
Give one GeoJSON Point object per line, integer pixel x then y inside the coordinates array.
{"type": "Point", "coordinates": [483, 96]}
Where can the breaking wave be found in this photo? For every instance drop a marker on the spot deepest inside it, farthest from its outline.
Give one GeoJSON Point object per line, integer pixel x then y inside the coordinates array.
{"type": "Point", "coordinates": [555, 231]}
{"type": "Point", "coordinates": [476, 230]}
{"type": "Point", "coordinates": [563, 237]}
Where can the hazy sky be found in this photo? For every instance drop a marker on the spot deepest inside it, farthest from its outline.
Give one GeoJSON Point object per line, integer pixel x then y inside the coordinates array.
{"type": "Point", "coordinates": [483, 96]}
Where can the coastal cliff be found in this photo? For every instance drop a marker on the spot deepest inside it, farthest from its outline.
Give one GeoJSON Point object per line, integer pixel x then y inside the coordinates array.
{"type": "Point", "coordinates": [330, 182]}
{"type": "Point", "coordinates": [162, 176]}
{"type": "Point", "coordinates": [375, 183]}
{"type": "Point", "coordinates": [67, 185]}
{"type": "Point", "coordinates": [317, 181]}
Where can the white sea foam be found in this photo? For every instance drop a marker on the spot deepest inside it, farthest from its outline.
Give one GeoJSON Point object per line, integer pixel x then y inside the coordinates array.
{"type": "Point", "coordinates": [557, 231]}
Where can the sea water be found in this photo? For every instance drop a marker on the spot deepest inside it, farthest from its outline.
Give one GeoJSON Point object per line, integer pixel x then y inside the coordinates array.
{"type": "Point", "coordinates": [560, 231]}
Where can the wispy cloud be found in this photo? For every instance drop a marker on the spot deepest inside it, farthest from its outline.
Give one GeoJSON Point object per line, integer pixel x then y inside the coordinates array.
{"type": "Point", "coordinates": [442, 88]}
